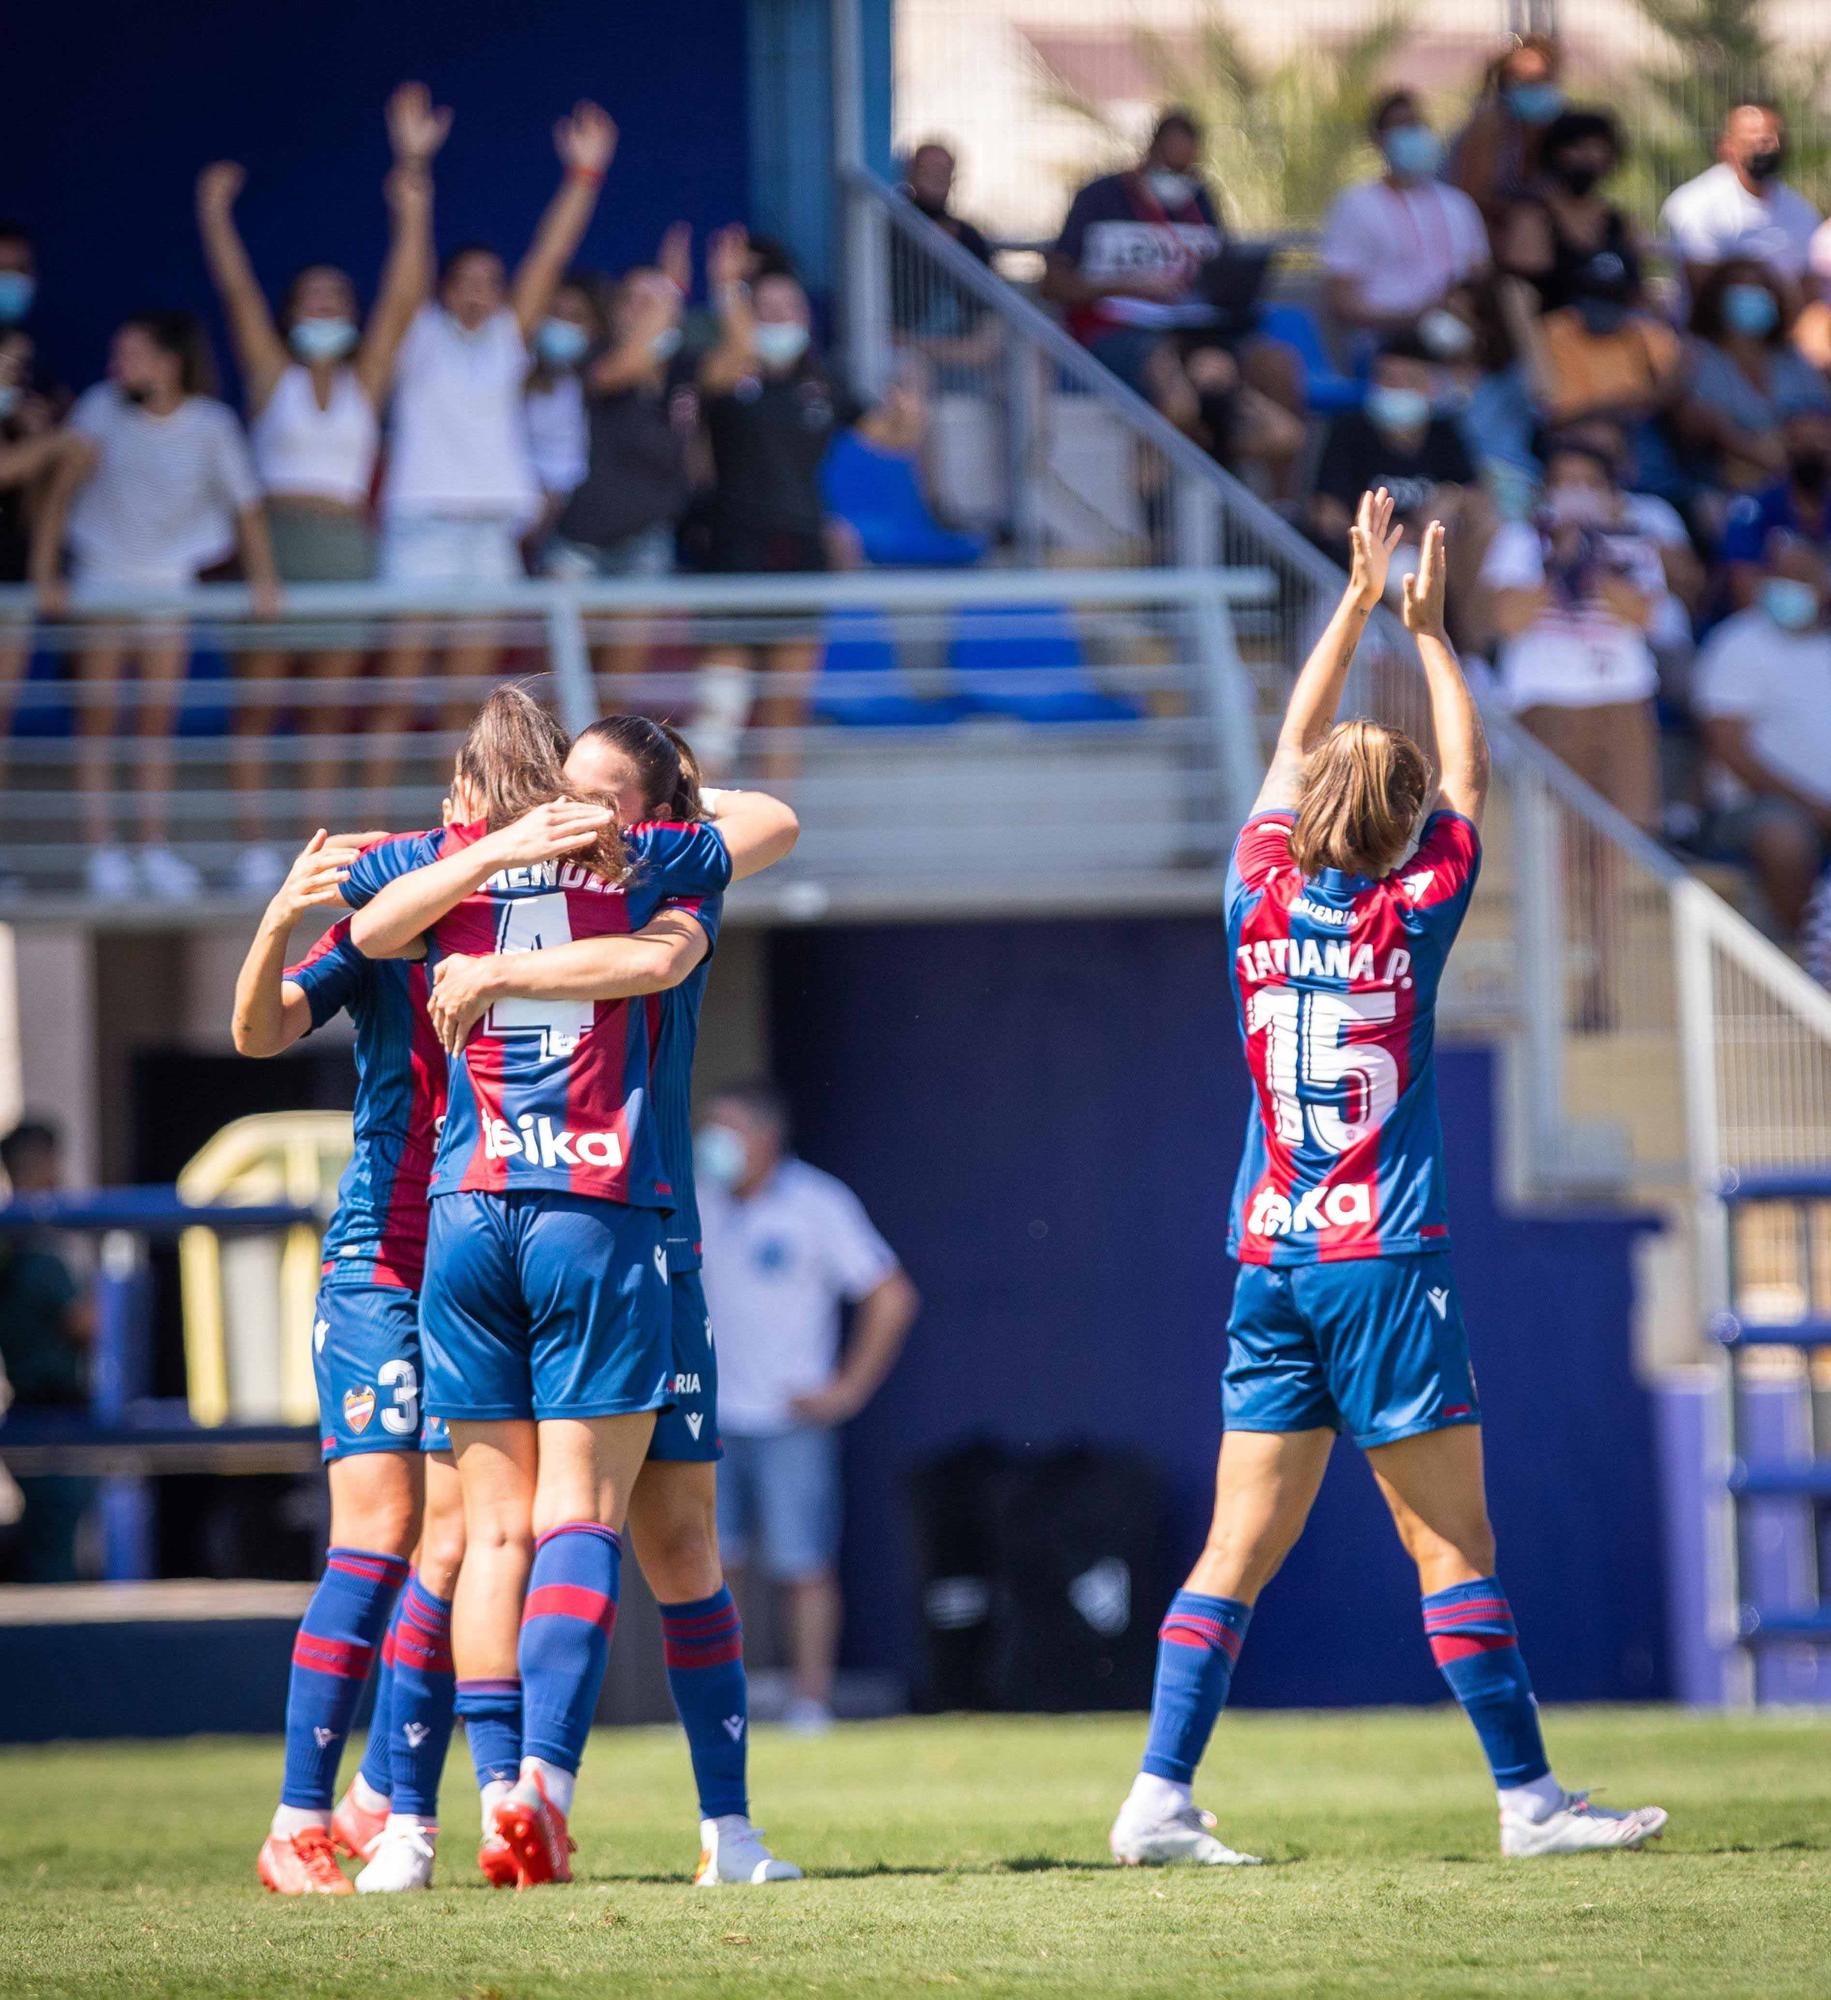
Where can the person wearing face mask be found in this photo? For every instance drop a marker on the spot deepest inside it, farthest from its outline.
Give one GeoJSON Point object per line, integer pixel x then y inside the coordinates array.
{"type": "Point", "coordinates": [1574, 591]}
{"type": "Point", "coordinates": [1796, 506]}
{"type": "Point", "coordinates": [315, 381]}
{"type": "Point", "coordinates": [1393, 249]}
{"type": "Point", "coordinates": [553, 402]}
{"type": "Point", "coordinates": [1494, 159]}
{"type": "Point", "coordinates": [785, 1250]}
{"type": "Point", "coordinates": [1763, 700]}
{"type": "Point", "coordinates": [1600, 355]}
{"type": "Point", "coordinates": [1556, 237]}
{"type": "Point", "coordinates": [1744, 378]}
{"type": "Point", "coordinates": [1741, 207]}
{"type": "Point", "coordinates": [18, 275]}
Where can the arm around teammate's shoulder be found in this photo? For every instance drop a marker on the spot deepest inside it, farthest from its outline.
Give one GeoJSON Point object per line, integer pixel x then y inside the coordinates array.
{"type": "Point", "coordinates": [1462, 743]}
{"type": "Point", "coordinates": [274, 1009]}
{"type": "Point", "coordinates": [758, 830]}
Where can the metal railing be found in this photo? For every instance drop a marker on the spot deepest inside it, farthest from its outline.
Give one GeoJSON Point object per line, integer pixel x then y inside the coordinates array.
{"type": "Point", "coordinates": [948, 738]}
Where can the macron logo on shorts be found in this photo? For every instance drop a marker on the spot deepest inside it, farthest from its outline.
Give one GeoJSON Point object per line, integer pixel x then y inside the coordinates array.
{"type": "Point", "coordinates": [541, 1144]}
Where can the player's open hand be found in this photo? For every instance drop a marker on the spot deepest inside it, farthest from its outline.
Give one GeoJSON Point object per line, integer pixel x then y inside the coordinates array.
{"type": "Point", "coordinates": [461, 995]}
{"type": "Point", "coordinates": [1424, 592]}
{"type": "Point", "coordinates": [1372, 540]}
{"type": "Point", "coordinates": [562, 826]}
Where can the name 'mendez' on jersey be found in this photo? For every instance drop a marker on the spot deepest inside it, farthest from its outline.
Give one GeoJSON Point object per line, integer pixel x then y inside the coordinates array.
{"type": "Point", "coordinates": [1335, 977]}
{"type": "Point", "coordinates": [553, 1094]}
{"type": "Point", "coordinates": [377, 1233]}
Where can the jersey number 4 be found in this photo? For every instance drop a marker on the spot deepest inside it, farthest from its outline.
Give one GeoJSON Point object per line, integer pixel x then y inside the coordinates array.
{"type": "Point", "coordinates": [1308, 1061]}
{"type": "Point", "coordinates": [532, 923]}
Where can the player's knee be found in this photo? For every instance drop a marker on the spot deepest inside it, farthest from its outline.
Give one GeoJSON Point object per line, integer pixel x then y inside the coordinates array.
{"type": "Point", "coordinates": [441, 1556]}
{"type": "Point", "coordinates": [680, 1559]}
{"type": "Point", "coordinates": [378, 1513]}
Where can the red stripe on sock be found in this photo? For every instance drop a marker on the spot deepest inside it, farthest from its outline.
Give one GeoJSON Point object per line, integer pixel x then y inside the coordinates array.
{"type": "Point", "coordinates": [705, 1621]}
{"type": "Point", "coordinates": [701, 1656]}
{"type": "Point", "coordinates": [1204, 1633]}
{"type": "Point", "coordinates": [571, 1600]}
{"type": "Point", "coordinates": [1448, 1646]}
{"type": "Point", "coordinates": [347, 1658]}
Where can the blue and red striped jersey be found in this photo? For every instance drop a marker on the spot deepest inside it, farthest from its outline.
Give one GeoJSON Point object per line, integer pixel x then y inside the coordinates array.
{"type": "Point", "coordinates": [674, 1033]}
{"type": "Point", "coordinates": [1336, 979]}
{"type": "Point", "coordinates": [377, 1233]}
{"type": "Point", "coordinates": [555, 1094]}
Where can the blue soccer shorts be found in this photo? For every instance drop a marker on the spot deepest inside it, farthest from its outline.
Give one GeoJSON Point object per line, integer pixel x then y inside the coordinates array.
{"type": "Point", "coordinates": [435, 1434]}
{"type": "Point", "coordinates": [366, 1362]}
{"type": "Point", "coordinates": [539, 1304]}
{"type": "Point", "coordinates": [688, 1433]}
{"type": "Point", "coordinates": [1373, 1346]}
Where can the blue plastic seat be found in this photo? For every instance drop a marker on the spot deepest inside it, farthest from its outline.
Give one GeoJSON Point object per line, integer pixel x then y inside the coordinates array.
{"type": "Point", "coordinates": [1325, 387]}
{"type": "Point", "coordinates": [878, 494]}
{"type": "Point", "coordinates": [1017, 639]}
{"type": "Point", "coordinates": [862, 643]}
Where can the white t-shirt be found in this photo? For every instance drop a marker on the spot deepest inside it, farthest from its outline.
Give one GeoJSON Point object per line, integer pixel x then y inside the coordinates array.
{"type": "Point", "coordinates": [1577, 656]}
{"type": "Point", "coordinates": [1714, 218]}
{"type": "Point", "coordinates": [1779, 682]}
{"type": "Point", "coordinates": [557, 438]}
{"type": "Point", "coordinates": [1404, 247]}
{"type": "Point", "coordinates": [777, 1270]}
{"type": "Point", "coordinates": [162, 501]}
{"type": "Point", "coordinates": [458, 443]}
{"type": "Point", "coordinates": [1660, 523]}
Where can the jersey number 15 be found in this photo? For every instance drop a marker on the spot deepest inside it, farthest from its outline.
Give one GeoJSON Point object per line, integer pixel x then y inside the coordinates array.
{"type": "Point", "coordinates": [1308, 1061]}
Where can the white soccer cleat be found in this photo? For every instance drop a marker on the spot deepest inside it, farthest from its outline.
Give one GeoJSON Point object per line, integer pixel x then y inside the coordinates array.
{"type": "Point", "coordinates": [1160, 1837]}
{"type": "Point", "coordinates": [1578, 1827]}
{"type": "Point", "coordinates": [732, 1850]}
{"type": "Point", "coordinates": [402, 1859]}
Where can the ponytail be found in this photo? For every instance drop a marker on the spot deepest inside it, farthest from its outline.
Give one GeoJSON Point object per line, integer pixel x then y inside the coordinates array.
{"type": "Point", "coordinates": [1363, 790]}
{"type": "Point", "coordinates": [513, 759]}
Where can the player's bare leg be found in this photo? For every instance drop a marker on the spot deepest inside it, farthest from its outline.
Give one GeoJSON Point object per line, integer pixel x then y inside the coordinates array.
{"type": "Point", "coordinates": [1265, 1484]}
{"type": "Point", "coordinates": [1434, 1486]}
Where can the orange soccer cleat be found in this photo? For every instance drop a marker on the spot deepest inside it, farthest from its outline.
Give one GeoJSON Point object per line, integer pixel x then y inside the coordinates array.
{"type": "Point", "coordinates": [497, 1860]}
{"type": "Point", "coordinates": [302, 1864]}
{"type": "Point", "coordinates": [535, 1831]}
{"type": "Point", "coordinates": [355, 1829]}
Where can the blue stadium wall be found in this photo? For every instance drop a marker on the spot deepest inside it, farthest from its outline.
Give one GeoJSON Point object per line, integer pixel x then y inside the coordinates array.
{"type": "Point", "coordinates": [724, 105]}
{"type": "Point", "coordinates": [1044, 1119]}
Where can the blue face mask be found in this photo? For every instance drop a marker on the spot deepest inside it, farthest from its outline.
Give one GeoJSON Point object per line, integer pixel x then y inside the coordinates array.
{"type": "Point", "coordinates": [1533, 103]}
{"type": "Point", "coordinates": [780, 343]}
{"type": "Point", "coordinates": [1750, 309]}
{"type": "Point", "coordinates": [560, 344]}
{"type": "Point", "coordinates": [17, 291]}
{"type": "Point", "coordinates": [1792, 605]}
{"type": "Point", "coordinates": [720, 1155]}
{"type": "Point", "coordinates": [322, 339]}
{"type": "Point", "coordinates": [666, 344]}
{"type": "Point", "coordinates": [1392, 409]}
{"type": "Point", "coordinates": [1413, 149]}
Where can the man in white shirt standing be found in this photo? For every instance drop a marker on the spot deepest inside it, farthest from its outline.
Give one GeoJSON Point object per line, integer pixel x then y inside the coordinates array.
{"type": "Point", "coordinates": [1393, 249]}
{"type": "Point", "coordinates": [787, 1248]}
{"type": "Point", "coordinates": [1741, 207]}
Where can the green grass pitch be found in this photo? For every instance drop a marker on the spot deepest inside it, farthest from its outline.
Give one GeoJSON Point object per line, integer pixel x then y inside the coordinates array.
{"type": "Point", "coordinates": [968, 1856]}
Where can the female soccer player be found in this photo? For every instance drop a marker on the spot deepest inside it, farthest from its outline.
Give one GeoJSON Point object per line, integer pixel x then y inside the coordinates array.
{"type": "Point", "coordinates": [546, 1309]}
{"type": "Point", "coordinates": [1340, 914]}
{"type": "Point", "coordinates": [651, 773]}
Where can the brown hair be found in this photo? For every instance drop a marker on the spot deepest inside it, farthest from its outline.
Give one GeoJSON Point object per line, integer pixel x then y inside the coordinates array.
{"type": "Point", "coordinates": [1363, 789]}
{"type": "Point", "coordinates": [666, 767]}
{"type": "Point", "coordinates": [513, 759]}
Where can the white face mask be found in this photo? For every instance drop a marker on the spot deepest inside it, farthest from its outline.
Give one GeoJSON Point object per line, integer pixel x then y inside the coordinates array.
{"type": "Point", "coordinates": [1173, 190]}
{"type": "Point", "coordinates": [780, 342]}
{"type": "Point", "coordinates": [720, 1155]}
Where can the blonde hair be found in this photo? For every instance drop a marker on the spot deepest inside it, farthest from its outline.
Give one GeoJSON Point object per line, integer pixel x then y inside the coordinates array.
{"type": "Point", "coordinates": [513, 759]}
{"type": "Point", "coordinates": [1363, 789]}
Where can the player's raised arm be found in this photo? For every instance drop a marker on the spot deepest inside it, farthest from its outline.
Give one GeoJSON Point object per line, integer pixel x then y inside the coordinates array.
{"type": "Point", "coordinates": [757, 830]}
{"type": "Point", "coordinates": [1462, 743]}
{"type": "Point", "coordinates": [1317, 695]}
{"type": "Point", "coordinates": [395, 916]}
{"type": "Point", "coordinates": [272, 1011]}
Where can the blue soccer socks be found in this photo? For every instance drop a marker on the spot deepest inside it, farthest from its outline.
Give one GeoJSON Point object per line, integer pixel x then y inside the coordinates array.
{"type": "Point", "coordinates": [703, 1643]}
{"type": "Point", "coordinates": [491, 1713]}
{"type": "Point", "coordinates": [1197, 1645]}
{"type": "Point", "coordinates": [421, 1712]}
{"type": "Point", "coordinates": [1473, 1640]}
{"type": "Point", "coordinates": [377, 1771]}
{"type": "Point", "coordinates": [331, 1658]}
{"type": "Point", "coordinates": [566, 1625]}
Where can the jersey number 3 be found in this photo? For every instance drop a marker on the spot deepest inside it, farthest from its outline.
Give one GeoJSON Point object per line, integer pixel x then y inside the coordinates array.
{"type": "Point", "coordinates": [1308, 1061]}
{"type": "Point", "coordinates": [532, 923]}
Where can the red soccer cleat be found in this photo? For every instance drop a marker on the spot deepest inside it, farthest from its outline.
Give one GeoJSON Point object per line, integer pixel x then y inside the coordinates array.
{"type": "Point", "coordinates": [355, 1829]}
{"type": "Point", "coordinates": [303, 1865]}
{"type": "Point", "coordinates": [537, 1839]}
{"type": "Point", "coordinates": [497, 1860]}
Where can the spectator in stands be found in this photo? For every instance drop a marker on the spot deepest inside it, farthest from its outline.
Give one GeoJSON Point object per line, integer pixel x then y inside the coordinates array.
{"type": "Point", "coordinates": [46, 1330]}
{"type": "Point", "coordinates": [1494, 159]}
{"type": "Point", "coordinates": [18, 274]}
{"type": "Point", "coordinates": [1743, 377]}
{"type": "Point", "coordinates": [927, 308]}
{"type": "Point", "coordinates": [1764, 700]}
{"type": "Point", "coordinates": [1127, 269]}
{"type": "Point", "coordinates": [1396, 248]}
{"type": "Point", "coordinates": [460, 489]}
{"type": "Point", "coordinates": [928, 185]}
{"type": "Point", "coordinates": [315, 382]}
{"type": "Point", "coordinates": [1797, 505]}
{"type": "Point", "coordinates": [1566, 232]}
{"type": "Point", "coordinates": [787, 1249]}
{"type": "Point", "coordinates": [1602, 354]}
{"type": "Point", "coordinates": [872, 482]}
{"type": "Point", "coordinates": [1574, 592]}
{"type": "Point", "coordinates": [1741, 207]}
{"type": "Point", "coordinates": [772, 406]}
{"type": "Point", "coordinates": [553, 400]}
{"type": "Point", "coordinates": [1399, 440]}
{"type": "Point", "coordinates": [166, 492]}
